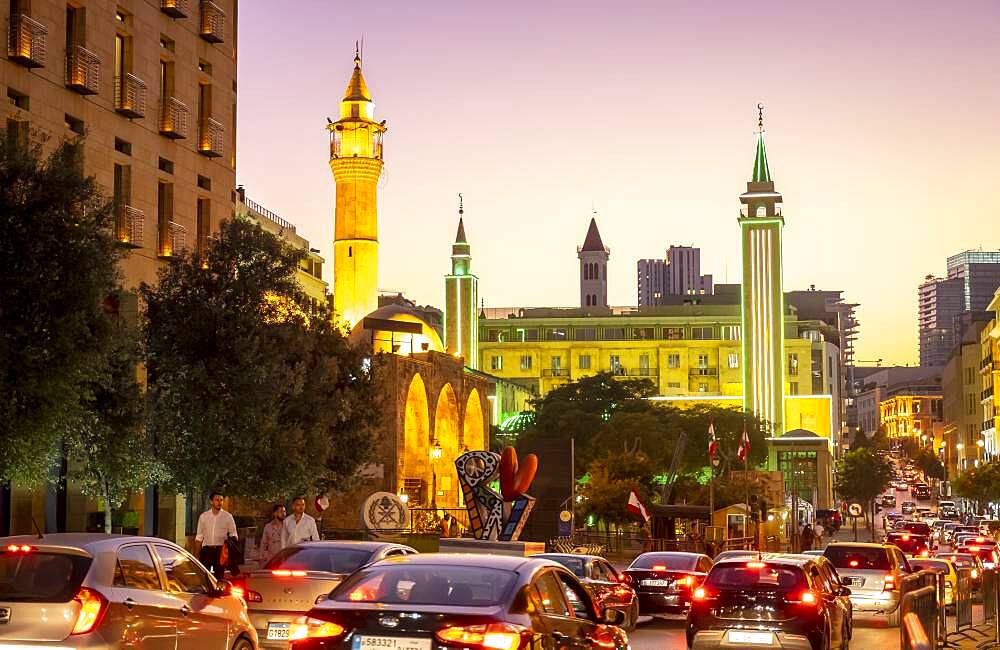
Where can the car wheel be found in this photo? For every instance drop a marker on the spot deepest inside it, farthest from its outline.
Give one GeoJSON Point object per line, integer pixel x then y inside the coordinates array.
{"type": "Point", "coordinates": [243, 643]}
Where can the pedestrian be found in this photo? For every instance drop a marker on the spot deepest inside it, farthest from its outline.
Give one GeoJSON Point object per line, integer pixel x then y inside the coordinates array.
{"type": "Point", "coordinates": [806, 537]}
{"type": "Point", "coordinates": [214, 526]}
{"type": "Point", "coordinates": [273, 538]}
{"type": "Point", "coordinates": [300, 527]}
{"type": "Point", "coordinates": [818, 531]}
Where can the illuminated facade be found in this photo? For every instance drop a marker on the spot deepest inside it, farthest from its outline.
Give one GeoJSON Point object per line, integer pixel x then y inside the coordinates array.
{"type": "Point", "coordinates": [914, 412]}
{"type": "Point", "coordinates": [989, 368]}
{"type": "Point", "coordinates": [461, 295]}
{"type": "Point", "coordinates": [762, 294]}
{"type": "Point", "coordinates": [356, 161]}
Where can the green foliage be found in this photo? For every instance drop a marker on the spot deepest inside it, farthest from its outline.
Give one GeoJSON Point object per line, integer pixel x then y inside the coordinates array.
{"type": "Point", "coordinates": [862, 475]}
{"type": "Point", "coordinates": [878, 441]}
{"type": "Point", "coordinates": [980, 484]}
{"type": "Point", "coordinates": [611, 479]}
{"type": "Point", "coordinates": [248, 393]}
{"type": "Point", "coordinates": [928, 463]}
{"type": "Point", "coordinates": [58, 259]}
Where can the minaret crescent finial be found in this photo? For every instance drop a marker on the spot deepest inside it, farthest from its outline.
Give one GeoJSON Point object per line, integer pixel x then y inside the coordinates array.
{"type": "Point", "coordinates": [460, 209]}
{"type": "Point", "coordinates": [760, 116]}
{"type": "Point", "coordinates": [357, 54]}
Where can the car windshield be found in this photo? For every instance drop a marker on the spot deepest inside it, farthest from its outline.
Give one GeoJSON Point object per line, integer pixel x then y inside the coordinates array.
{"type": "Point", "coordinates": [935, 565]}
{"type": "Point", "coordinates": [415, 584]}
{"type": "Point", "coordinates": [755, 575]}
{"type": "Point", "coordinates": [574, 564]}
{"type": "Point", "coordinates": [665, 561]}
{"type": "Point", "coordinates": [857, 557]}
{"type": "Point", "coordinates": [40, 577]}
{"type": "Point", "coordinates": [334, 559]}
{"type": "Point", "coordinates": [917, 527]}
{"type": "Point", "coordinates": [963, 561]}
{"type": "Point", "coordinates": [907, 542]}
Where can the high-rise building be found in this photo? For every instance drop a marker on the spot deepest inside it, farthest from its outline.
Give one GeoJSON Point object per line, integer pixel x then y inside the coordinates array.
{"type": "Point", "coordinates": [593, 269]}
{"type": "Point", "coordinates": [461, 291]}
{"type": "Point", "coordinates": [651, 281]}
{"type": "Point", "coordinates": [979, 272]}
{"type": "Point", "coordinates": [679, 274]}
{"type": "Point", "coordinates": [356, 161]}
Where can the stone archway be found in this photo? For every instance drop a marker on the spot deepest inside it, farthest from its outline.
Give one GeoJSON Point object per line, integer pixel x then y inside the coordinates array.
{"type": "Point", "coordinates": [473, 424]}
{"type": "Point", "coordinates": [415, 470]}
{"type": "Point", "coordinates": [447, 433]}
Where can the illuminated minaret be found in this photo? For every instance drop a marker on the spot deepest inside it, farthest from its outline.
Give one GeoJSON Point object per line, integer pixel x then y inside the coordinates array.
{"type": "Point", "coordinates": [763, 297]}
{"type": "Point", "coordinates": [461, 290]}
{"type": "Point", "coordinates": [356, 161]}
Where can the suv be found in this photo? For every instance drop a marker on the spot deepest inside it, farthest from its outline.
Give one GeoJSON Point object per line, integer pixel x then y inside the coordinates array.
{"type": "Point", "coordinates": [947, 510]}
{"type": "Point", "coordinates": [874, 573]}
{"type": "Point", "coordinates": [911, 544]}
{"type": "Point", "coordinates": [920, 491]}
{"type": "Point", "coordinates": [773, 600]}
{"type": "Point", "coordinates": [831, 519]}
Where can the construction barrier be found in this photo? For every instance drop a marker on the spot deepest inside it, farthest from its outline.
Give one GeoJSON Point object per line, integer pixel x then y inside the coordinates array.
{"type": "Point", "coordinates": [913, 636]}
{"type": "Point", "coordinates": [963, 600]}
{"type": "Point", "coordinates": [989, 594]}
{"type": "Point", "coordinates": [921, 602]}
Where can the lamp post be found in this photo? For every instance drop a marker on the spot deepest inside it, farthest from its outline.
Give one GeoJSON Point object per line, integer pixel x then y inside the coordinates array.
{"type": "Point", "coordinates": [435, 456]}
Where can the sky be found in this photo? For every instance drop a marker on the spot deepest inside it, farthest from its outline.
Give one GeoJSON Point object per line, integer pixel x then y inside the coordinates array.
{"type": "Point", "coordinates": [882, 123]}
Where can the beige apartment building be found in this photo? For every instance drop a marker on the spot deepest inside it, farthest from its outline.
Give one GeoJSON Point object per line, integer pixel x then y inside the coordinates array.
{"type": "Point", "coordinates": [150, 85]}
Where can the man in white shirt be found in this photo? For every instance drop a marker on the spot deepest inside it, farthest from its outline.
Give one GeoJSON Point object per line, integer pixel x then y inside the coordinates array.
{"type": "Point", "coordinates": [300, 527]}
{"type": "Point", "coordinates": [214, 526]}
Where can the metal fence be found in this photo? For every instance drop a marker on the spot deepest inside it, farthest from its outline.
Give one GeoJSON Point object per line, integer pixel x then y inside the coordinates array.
{"type": "Point", "coordinates": [913, 635]}
{"type": "Point", "coordinates": [919, 596]}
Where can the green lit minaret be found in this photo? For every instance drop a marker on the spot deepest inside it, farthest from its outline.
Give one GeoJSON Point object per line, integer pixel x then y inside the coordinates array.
{"type": "Point", "coordinates": [461, 290]}
{"type": "Point", "coordinates": [762, 293]}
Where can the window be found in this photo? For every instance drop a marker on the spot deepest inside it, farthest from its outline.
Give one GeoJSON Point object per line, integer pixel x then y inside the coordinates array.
{"type": "Point", "coordinates": [496, 362]}
{"type": "Point", "coordinates": [793, 364]}
{"type": "Point", "coordinates": [642, 333]}
{"type": "Point", "coordinates": [585, 333]}
{"type": "Point", "coordinates": [121, 17]}
{"type": "Point", "coordinates": [204, 182]}
{"type": "Point", "coordinates": [166, 165]}
{"type": "Point", "coordinates": [614, 334]}
{"type": "Point", "coordinates": [673, 333]}
{"type": "Point", "coordinates": [583, 361]}
{"type": "Point", "coordinates": [164, 213]}
{"type": "Point", "coordinates": [575, 596]}
{"type": "Point", "coordinates": [731, 332]}
{"type": "Point", "coordinates": [615, 363]}
{"type": "Point", "coordinates": [527, 334]}
{"type": "Point", "coordinates": [644, 365]}
{"type": "Point", "coordinates": [167, 43]}
{"type": "Point", "coordinates": [702, 388]}
{"type": "Point", "coordinates": [495, 335]}
{"type": "Point", "coordinates": [674, 384]}
{"type": "Point", "coordinates": [204, 102]}
{"type": "Point", "coordinates": [75, 27]}
{"type": "Point", "coordinates": [204, 66]}
{"type": "Point", "coordinates": [793, 388]}
{"type": "Point", "coordinates": [204, 226]}
{"type": "Point", "coordinates": [916, 406]}
{"type": "Point", "coordinates": [702, 360]}
{"type": "Point", "coordinates": [556, 364]}
{"type": "Point", "coordinates": [972, 405]}
{"type": "Point", "coordinates": [166, 79]}
{"type": "Point", "coordinates": [673, 360]}
{"type": "Point", "coordinates": [122, 189]}
{"type": "Point", "coordinates": [555, 333]}
{"type": "Point", "coordinates": [702, 333]}
{"type": "Point", "coordinates": [75, 124]}
{"type": "Point", "coordinates": [121, 146]}
{"type": "Point", "coordinates": [135, 568]}
{"type": "Point", "coordinates": [18, 99]}
{"type": "Point", "coordinates": [734, 360]}
{"type": "Point", "coordinates": [183, 573]}
{"type": "Point", "coordinates": [525, 362]}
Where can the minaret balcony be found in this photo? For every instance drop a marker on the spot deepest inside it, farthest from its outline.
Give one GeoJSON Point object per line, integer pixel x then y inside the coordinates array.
{"type": "Point", "coordinates": [213, 22]}
{"type": "Point", "coordinates": [176, 8]}
{"type": "Point", "coordinates": [211, 138]}
{"type": "Point", "coordinates": [129, 224]}
{"type": "Point", "coordinates": [173, 118]}
{"type": "Point", "coordinates": [26, 41]}
{"type": "Point", "coordinates": [173, 239]}
{"type": "Point", "coordinates": [83, 70]}
{"type": "Point", "coordinates": [130, 96]}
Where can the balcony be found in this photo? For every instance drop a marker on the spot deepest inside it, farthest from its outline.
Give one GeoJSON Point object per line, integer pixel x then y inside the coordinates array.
{"type": "Point", "coordinates": [211, 136]}
{"type": "Point", "coordinates": [83, 70]}
{"type": "Point", "coordinates": [130, 96]}
{"type": "Point", "coordinates": [26, 41]}
{"type": "Point", "coordinates": [986, 394]}
{"type": "Point", "coordinates": [128, 225]}
{"type": "Point", "coordinates": [173, 118]}
{"type": "Point", "coordinates": [176, 8]}
{"type": "Point", "coordinates": [213, 22]}
{"type": "Point", "coordinates": [704, 372]}
{"type": "Point", "coordinates": [173, 239]}
{"type": "Point", "coordinates": [555, 372]}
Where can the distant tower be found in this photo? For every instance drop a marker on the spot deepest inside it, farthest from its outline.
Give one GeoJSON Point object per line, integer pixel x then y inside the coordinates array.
{"type": "Point", "coordinates": [763, 297]}
{"type": "Point", "coordinates": [461, 291]}
{"type": "Point", "coordinates": [593, 269]}
{"type": "Point", "coordinates": [356, 161]}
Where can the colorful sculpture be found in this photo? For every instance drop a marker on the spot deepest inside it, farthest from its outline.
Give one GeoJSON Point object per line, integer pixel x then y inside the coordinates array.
{"type": "Point", "coordinates": [492, 515]}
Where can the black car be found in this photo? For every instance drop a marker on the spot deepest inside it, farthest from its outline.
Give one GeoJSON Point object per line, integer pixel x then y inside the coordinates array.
{"type": "Point", "coordinates": [665, 581]}
{"type": "Point", "coordinates": [888, 501]}
{"type": "Point", "coordinates": [607, 587]}
{"type": "Point", "coordinates": [461, 601]}
{"type": "Point", "coordinates": [786, 601]}
{"type": "Point", "coordinates": [832, 520]}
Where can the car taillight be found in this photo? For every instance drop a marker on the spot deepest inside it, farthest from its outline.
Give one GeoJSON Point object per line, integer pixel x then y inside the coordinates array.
{"type": "Point", "coordinates": [252, 596]}
{"type": "Point", "coordinates": [659, 567]}
{"type": "Point", "coordinates": [19, 548]}
{"type": "Point", "coordinates": [702, 594]}
{"type": "Point", "coordinates": [625, 579]}
{"type": "Point", "coordinates": [889, 584]}
{"type": "Point", "coordinates": [288, 573]}
{"type": "Point", "coordinates": [925, 553]}
{"type": "Point", "coordinates": [808, 598]}
{"type": "Point", "coordinates": [92, 608]}
{"type": "Point", "coordinates": [313, 628]}
{"type": "Point", "coordinates": [495, 636]}
{"type": "Point", "coordinates": [756, 565]}
{"type": "Point", "coordinates": [853, 563]}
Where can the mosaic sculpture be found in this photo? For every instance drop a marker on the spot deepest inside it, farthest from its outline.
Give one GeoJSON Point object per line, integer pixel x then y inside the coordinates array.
{"type": "Point", "coordinates": [497, 515]}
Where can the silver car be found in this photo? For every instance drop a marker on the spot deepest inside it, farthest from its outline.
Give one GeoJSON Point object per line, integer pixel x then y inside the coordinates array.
{"type": "Point", "coordinates": [90, 590]}
{"type": "Point", "coordinates": [300, 576]}
{"type": "Point", "coordinates": [874, 574]}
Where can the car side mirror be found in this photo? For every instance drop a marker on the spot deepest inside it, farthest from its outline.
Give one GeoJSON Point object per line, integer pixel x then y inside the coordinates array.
{"type": "Point", "coordinates": [613, 617]}
{"type": "Point", "coordinates": [222, 588]}
{"type": "Point", "coordinates": [844, 591]}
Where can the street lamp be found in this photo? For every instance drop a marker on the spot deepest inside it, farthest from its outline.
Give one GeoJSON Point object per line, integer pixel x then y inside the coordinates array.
{"type": "Point", "coordinates": [435, 456]}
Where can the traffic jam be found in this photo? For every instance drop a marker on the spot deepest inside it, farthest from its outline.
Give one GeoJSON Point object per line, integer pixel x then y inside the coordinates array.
{"type": "Point", "coordinates": [83, 590]}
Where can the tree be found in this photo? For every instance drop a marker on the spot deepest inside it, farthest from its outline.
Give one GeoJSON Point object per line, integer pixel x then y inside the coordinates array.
{"type": "Point", "coordinates": [108, 446]}
{"type": "Point", "coordinates": [861, 476]}
{"type": "Point", "coordinates": [979, 484]}
{"type": "Point", "coordinates": [611, 479]}
{"type": "Point", "coordinates": [878, 441]}
{"type": "Point", "coordinates": [248, 393]}
{"type": "Point", "coordinates": [58, 259]}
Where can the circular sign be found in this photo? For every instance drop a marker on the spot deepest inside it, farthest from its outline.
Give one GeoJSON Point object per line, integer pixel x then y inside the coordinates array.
{"type": "Point", "coordinates": [855, 509]}
{"type": "Point", "coordinates": [384, 512]}
{"type": "Point", "coordinates": [565, 516]}
{"type": "Point", "coordinates": [322, 503]}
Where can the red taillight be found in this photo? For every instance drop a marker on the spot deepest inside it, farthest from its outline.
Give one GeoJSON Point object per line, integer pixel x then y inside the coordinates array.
{"type": "Point", "coordinates": [853, 563]}
{"type": "Point", "coordinates": [288, 573]}
{"type": "Point", "coordinates": [625, 578]}
{"type": "Point", "coordinates": [92, 608]}
{"type": "Point", "coordinates": [19, 548]}
{"type": "Point", "coordinates": [925, 553]}
{"type": "Point", "coordinates": [659, 567]}
{"type": "Point", "coordinates": [808, 598]}
{"type": "Point", "coordinates": [889, 584]}
{"type": "Point", "coordinates": [756, 565]}
{"type": "Point", "coordinates": [494, 636]}
{"type": "Point", "coordinates": [312, 628]}
{"type": "Point", "coordinates": [252, 596]}
{"type": "Point", "coordinates": [980, 539]}
{"type": "Point", "coordinates": [702, 594]}
{"type": "Point", "coordinates": [906, 537]}
{"type": "Point", "coordinates": [686, 581]}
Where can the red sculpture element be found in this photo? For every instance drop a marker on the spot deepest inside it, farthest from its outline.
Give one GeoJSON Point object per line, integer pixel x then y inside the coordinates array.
{"type": "Point", "coordinates": [514, 480]}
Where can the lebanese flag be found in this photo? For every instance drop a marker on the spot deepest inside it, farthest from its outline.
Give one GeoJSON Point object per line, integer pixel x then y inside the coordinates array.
{"type": "Point", "coordinates": [744, 449]}
{"type": "Point", "coordinates": [636, 506]}
{"type": "Point", "coordinates": [713, 444]}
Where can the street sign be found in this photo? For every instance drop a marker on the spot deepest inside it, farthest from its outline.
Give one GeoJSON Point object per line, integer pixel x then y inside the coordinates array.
{"type": "Point", "coordinates": [855, 509]}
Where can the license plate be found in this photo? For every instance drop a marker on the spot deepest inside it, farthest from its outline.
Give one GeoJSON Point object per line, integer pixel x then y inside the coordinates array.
{"type": "Point", "coordinates": [390, 643]}
{"type": "Point", "coordinates": [278, 631]}
{"type": "Point", "coordinates": [753, 638]}
{"type": "Point", "coordinates": [655, 583]}
{"type": "Point", "coordinates": [855, 581]}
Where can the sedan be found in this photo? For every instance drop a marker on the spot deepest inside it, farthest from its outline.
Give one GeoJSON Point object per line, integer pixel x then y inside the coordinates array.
{"type": "Point", "coordinates": [607, 587]}
{"type": "Point", "coordinates": [908, 507]}
{"type": "Point", "coordinates": [941, 565]}
{"type": "Point", "coordinates": [665, 581]}
{"type": "Point", "coordinates": [460, 601]}
{"type": "Point", "coordinates": [97, 591]}
{"type": "Point", "coordinates": [300, 576]}
{"type": "Point", "coordinates": [888, 501]}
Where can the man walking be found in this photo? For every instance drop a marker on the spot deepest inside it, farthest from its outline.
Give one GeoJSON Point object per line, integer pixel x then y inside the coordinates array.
{"type": "Point", "coordinates": [214, 526]}
{"type": "Point", "coordinates": [300, 527]}
{"type": "Point", "coordinates": [273, 539]}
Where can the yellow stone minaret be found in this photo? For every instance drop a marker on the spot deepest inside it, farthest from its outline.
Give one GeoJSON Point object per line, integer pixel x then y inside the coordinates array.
{"type": "Point", "coordinates": [356, 161]}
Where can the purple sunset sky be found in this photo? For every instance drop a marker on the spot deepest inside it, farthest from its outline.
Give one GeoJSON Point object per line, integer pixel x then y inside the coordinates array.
{"type": "Point", "coordinates": [882, 118]}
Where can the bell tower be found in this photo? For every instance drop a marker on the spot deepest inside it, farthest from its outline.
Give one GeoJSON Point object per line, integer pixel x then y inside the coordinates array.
{"type": "Point", "coordinates": [356, 162]}
{"type": "Point", "coordinates": [461, 290]}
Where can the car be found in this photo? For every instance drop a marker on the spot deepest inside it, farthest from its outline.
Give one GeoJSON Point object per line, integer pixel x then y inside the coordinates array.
{"type": "Point", "coordinates": [988, 526]}
{"type": "Point", "coordinates": [908, 507]}
{"type": "Point", "coordinates": [298, 576]}
{"type": "Point", "coordinates": [725, 555]}
{"type": "Point", "coordinates": [918, 527]}
{"type": "Point", "coordinates": [987, 554]}
{"type": "Point", "coordinates": [773, 600]}
{"type": "Point", "coordinates": [890, 519]}
{"type": "Point", "coordinates": [831, 519]}
{"type": "Point", "coordinates": [98, 591]}
{"type": "Point", "coordinates": [460, 601]}
{"type": "Point", "coordinates": [665, 581]}
{"type": "Point", "coordinates": [942, 565]}
{"type": "Point", "coordinates": [910, 543]}
{"type": "Point", "coordinates": [963, 536]}
{"type": "Point", "coordinates": [607, 587]}
{"type": "Point", "coordinates": [888, 501]}
{"type": "Point", "coordinates": [874, 573]}
{"type": "Point", "coordinates": [966, 561]}
{"type": "Point", "coordinates": [902, 486]}
{"type": "Point", "coordinates": [813, 551]}
{"type": "Point", "coordinates": [947, 509]}
{"type": "Point", "coordinates": [920, 491]}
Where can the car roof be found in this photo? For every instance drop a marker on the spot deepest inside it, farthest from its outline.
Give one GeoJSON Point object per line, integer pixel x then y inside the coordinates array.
{"type": "Point", "coordinates": [677, 554]}
{"type": "Point", "coordinates": [772, 558]}
{"type": "Point", "coordinates": [840, 544]}
{"type": "Point", "coordinates": [482, 561]}
{"type": "Point", "coordinates": [88, 542]}
{"type": "Point", "coordinates": [581, 556]}
{"type": "Point", "coordinates": [348, 543]}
